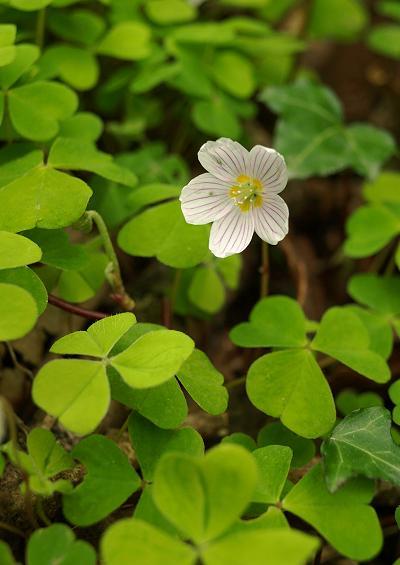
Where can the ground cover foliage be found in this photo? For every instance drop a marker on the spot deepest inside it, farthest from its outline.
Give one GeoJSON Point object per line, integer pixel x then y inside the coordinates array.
{"type": "Point", "coordinates": [160, 404]}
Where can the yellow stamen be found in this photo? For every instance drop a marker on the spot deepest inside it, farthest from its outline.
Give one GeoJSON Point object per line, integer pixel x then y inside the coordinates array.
{"type": "Point", "coordinates": [247, 193]}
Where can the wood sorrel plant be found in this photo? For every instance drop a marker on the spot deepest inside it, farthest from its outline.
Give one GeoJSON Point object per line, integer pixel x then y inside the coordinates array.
{"type": "Point", "coordinates": [173, 391]}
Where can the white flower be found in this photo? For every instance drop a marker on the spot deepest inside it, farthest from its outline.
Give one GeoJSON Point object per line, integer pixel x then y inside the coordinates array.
{"type": "Point", "coordinates": [239, 194]}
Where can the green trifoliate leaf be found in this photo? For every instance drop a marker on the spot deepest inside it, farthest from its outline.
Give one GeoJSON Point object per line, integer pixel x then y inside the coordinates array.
{"type": "Point", "coordinates": [25, 56]}
{"type": "Point", "coordinates": [290, 547]}
{"type": "Point", "coordinates": [164, 405]}
{"type": "Point", "coordinates": [7, 48]}
{"type": "Point", "coordinates": [150, 194]}
{"type": "Point", "coordinates": [6, 556]}
{"type": "Point", "coordinates": [17, 250]}
{"type": "Point", "coordinates": [148, 544]}
{"type": "Point", "coordinates": [82, 125]}
{"type": "Point", "coordinates": [118, 41]}
{"type": "Point", "coordinates": [167, 12]}
{"type": "Point", "coordinates": [154, 358]}
{"type": "Point", "coordinates": [274, 463]}
{"type": "Point", "coordinates": [311, 118]}
{"type": "Point", "coordinates": [378, 328]}
{"type": "Point", "coordinates": [290, 385]}
{"type": "Point", "coordinates": [204, 383]}
{"type": "Point", "coordinates": [394, 392]}
{"type": "Point", "coordinates": [78, 286]}
{"type": "Point", "coordinates": [347, 18]}
{"type": "Point", "coordinates": [239, 438]}
{"type": "Point", "coordinates": [98, 339]}
{"type": "Point", "coordinates": [343, 336]}
{"type": "Point", "coordinates": [276, 321]}
{"type": "Point", "coordinates": [57, 544]}
{"type": "Point", "coordinates": [343, 518]}
{"type": "Point", "coordinates": [29, 5]}
{"type": "Point", "coordinates": [234, 73]}
{"type": "Point", "coordinates": [361, 444]}
{"type": "Point", "coordinates": [216, 117]}
{"type": "Point", "coordinates": [150, 443]}
{"type": "Point", "coordinates": [385, 39]}
{"type": "Point", "coordinates": [229, 268]}
{"type": "Point", "coordinates": [377, 292]}
{"type": "Point", "coordinates": [202, 497]}
{"type": "Point", "coordinates": [44, 198]}
{"type": "Point", "coordinates": [384, 189]}
{"type": "Point", "coordinates": [16, 160]}
{"type": "Point", "coordinates": [161, 231]}
{"type": "Point", "coordinates": [206, 290]}
{"type": "Point", "coordinates": [18, 312]}
{"type": "Point", "coordinates": [57, 249]}
{"type": "Point", "coordinates": [75, 66]}
{"type": "Point", "coordinates": [349, 400]}
{"type": "Point", "coordinates": [45, 458]}
{"type": "Point", "coordinates": [303, 450]}
{"type": "Point", "coordinates": [109, 481]}
{"type": "Point", "coordinates": [77, 26]}
{"type": "Point", "coordinates": [37, 108]}
{"type": "Point", "coordinates": [74, 391]}
{"type": "Point", "coordinates": [361, 240]}
{"type": "Point", "coordinates": [73, 154]}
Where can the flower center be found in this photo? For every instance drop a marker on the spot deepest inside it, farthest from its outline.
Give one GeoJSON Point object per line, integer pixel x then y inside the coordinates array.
{"type": "Point", "coordinates": [246, 193]}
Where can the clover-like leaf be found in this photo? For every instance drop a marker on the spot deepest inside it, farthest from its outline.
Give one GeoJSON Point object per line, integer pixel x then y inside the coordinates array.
{"type": "Point", "coordinates": [75, 66]}
{"type": "Point", "coordinates": [311, 118]}
{"type": "Point", "coordinates": [274, 463]}
{"type": "Point", "coordinates": [343, 336]}
{"type": "Point", "coordinates": [16, 160]}
{"type": "Point", "coordinates": [7, 48]}
{"type": "Point", "coordinates": [204, 383]}
{"type": "Point", "coordinates": [378, 327]}
{"type": "Point", "coordinates": [377, 292]}
{"type": "Point", "coordinates": [349, 400]}
{"type": "Point", "coordinates": [161, 231]}
{"type": "Point", "coordinates": [6, 556]}
{"type": "Point", "coordinates": [37, 108]}
{"type": "Point", "coordinates": [75, 391]}
{"type": "Point", "coordinates": [108, 472]}
{"type": "Point", "coordinates": [81, 155]}
{"type": "Point", "coordinates": [361, 240]}
{"type": "Point", "coordinates": [98, 339]}
{"type": "Point", "coordinates": [118, 41]}
{"type": "Point", "coordinates": [151, 442]}
{"type": "Point", "coordinates": [18, 312]}
{"type": "Point", "coordinates": [281, 545]}
{"type": "Point", "coordinates": [164, 405]}
{"type": "Point", "coordinates": [361, 444]}
{"type": "Point", "coordinates": [44, 459]}
{"type": "Point", "coordinates": [276, 321]}
{"type": "Point", "coordinates": [275, 433]}
{"type": "Point", "coordinates": [43, 197]}
{"type": "Point", "coordinates": [153, 358]}
{"type": "Point", "coordinates": [290, 385]}
{"type": "Point", "coordinates": [167, 12]}
{"type": "Point", "coordinates": [148, 544]}
{"type": "Point", "coordinates": [202, 497]}
{"type": "Point", "coordinates": [25, 56]}
{"type": "Point", "coordinates": [57, 250]}
{"type": "Point", "coordinates": [57, 544]}
{"type": "Point", "coordinates": [17, 250]}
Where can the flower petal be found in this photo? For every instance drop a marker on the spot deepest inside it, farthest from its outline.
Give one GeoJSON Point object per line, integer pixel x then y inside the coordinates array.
{"type": "Point", "coordinates": [232, 233]}
{"type": "Point", "coordinates": [268, 166]}
{"type": "Point", "coordinates": [224, 158]}
{"type": "Point", "coordinates": [205, 199]}
{"type": "Point", "coordinates": [271, 221]}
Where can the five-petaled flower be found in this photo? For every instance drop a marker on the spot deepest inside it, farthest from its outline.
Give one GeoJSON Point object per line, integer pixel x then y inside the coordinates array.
{"type": "Point", "coordinates": [239, 194]}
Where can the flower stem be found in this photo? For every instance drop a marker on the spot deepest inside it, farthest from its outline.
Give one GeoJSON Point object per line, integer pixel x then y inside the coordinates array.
{"type": "Point", "coordinates": [40, 28]}
{"type": "Point", "coordinates": [264, 270]}
{"type": "Point", "coordinates": [113, 271]}
{"type": "Point", "coordinates": [77, 310]}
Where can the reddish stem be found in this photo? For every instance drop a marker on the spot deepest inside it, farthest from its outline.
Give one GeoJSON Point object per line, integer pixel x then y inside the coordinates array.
{"type": "Point", "coordinates": [77, 310]}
